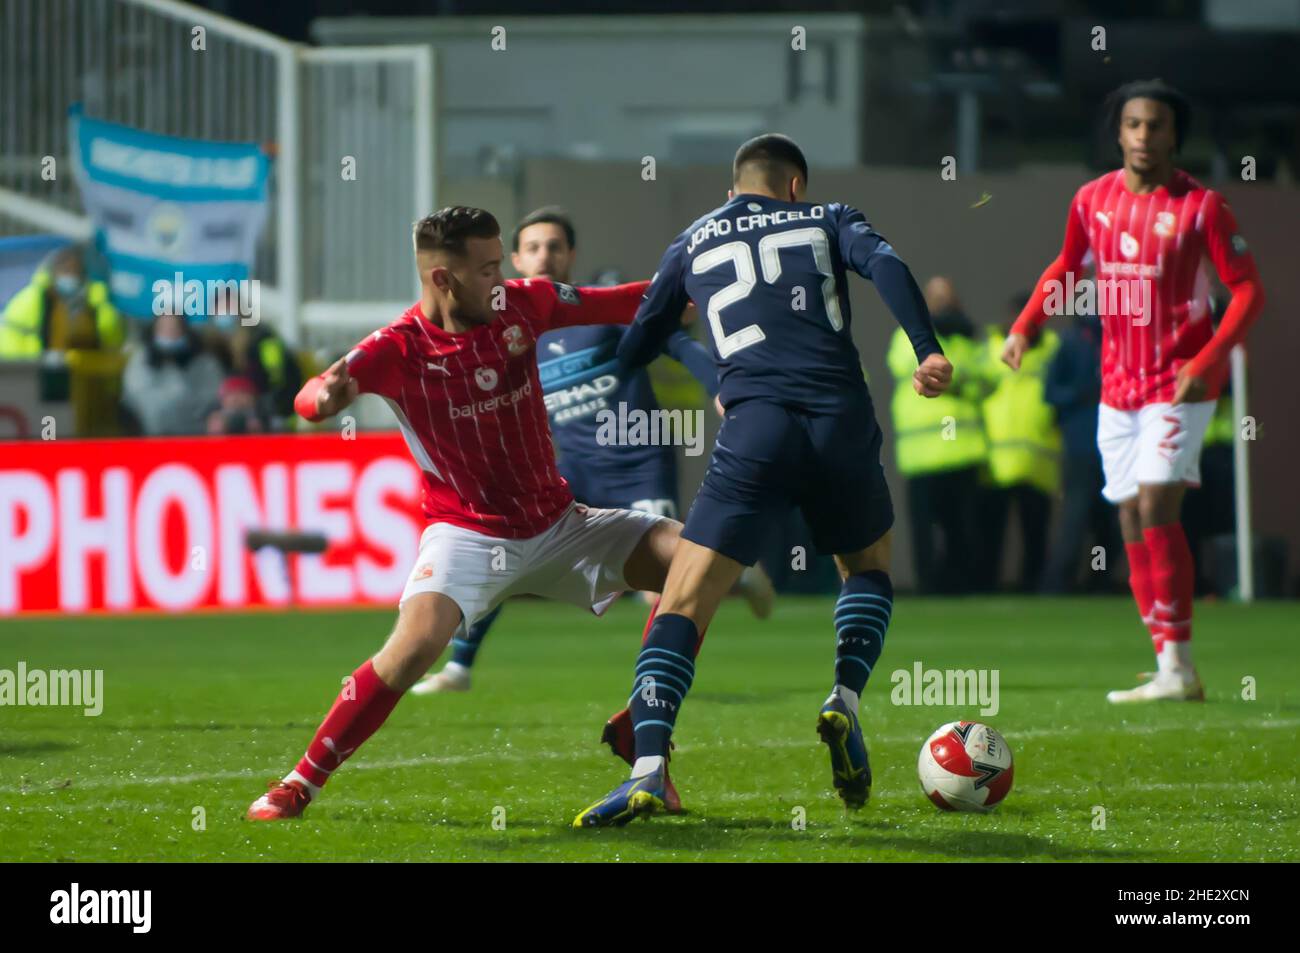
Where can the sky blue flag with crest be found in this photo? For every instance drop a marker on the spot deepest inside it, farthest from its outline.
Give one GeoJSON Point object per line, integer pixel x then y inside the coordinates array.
{"type": "Point", "coordinates": [164, 206]}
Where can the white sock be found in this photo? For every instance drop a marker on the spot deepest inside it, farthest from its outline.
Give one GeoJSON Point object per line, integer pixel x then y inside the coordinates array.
{"type": "Point", "coordinates": [312, 789]}
{"type": "Point", "coordinates": [1175, 658]}
{"type": "Point", "coordinates": [850, 698]}
{"type": "Point", "coordinates": [647, 765]}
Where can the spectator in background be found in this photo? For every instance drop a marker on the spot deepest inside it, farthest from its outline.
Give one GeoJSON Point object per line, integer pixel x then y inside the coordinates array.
{"type": "Point", "coordinates": [940, 446]}
{"type": "Point", "coordinates": [1073, 388]}
{"type": "Point", "coordinates": [171, 382]}
{"type": "Point", "coordinates": [256, 354]}
{"type": "Point", "coordinates": [62, 309]}
{"type": "Point", "coordinates": [1024, 466]}
{"type": "Point", "coordinates": [237, 409]}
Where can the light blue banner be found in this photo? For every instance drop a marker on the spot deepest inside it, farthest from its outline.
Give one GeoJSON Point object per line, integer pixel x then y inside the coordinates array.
{"type": "Point", "coordinates": [163, 206]}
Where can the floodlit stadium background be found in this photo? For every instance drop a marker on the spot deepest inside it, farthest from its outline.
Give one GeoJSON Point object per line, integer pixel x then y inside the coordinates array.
{"type": "Point", "coordinates": [511, 112]}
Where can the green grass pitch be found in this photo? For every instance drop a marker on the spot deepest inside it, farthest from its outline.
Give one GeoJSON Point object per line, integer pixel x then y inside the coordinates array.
{"type": "Point", "coordinates": [200, 711]}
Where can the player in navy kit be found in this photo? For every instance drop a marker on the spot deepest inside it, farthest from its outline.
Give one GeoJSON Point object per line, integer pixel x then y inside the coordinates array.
{"type": "Point", "coordinates": [580, 378]}
{"type": "Point", "coordinates": [769, 271]}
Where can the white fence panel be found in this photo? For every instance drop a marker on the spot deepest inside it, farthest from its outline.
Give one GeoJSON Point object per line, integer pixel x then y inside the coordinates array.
{"type": "Point", "coordinates": [368, 143]}
{"type": "Point", "coordinates": [333, 251]}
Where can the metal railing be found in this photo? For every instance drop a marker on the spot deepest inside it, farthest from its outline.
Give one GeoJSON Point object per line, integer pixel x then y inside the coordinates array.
{"type": "Point", "coordinates": [365, 112]}
{"type": "Point", "coordinates": [332, 246]}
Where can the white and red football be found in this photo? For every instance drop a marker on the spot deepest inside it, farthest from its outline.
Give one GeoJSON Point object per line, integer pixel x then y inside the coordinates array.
{"type": "Point", "coordinates": [965, 766]}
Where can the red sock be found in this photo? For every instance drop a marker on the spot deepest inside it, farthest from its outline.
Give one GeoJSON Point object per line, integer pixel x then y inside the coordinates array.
{"type": "Point", "coordinates": [1139, 580]}
{"type": "Point", "coordinates": [1173, 579]}
{"type": "Point", "coordinates": [645, 633]}
{"type": "Point", "coordinates": [362, 706]}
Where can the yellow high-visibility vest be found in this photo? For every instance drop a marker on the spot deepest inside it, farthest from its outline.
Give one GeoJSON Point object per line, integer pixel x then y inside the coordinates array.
{"type": "Point", "coordinates": [23, 317]}
{"type": "Point", "coordinates": [1024, 439]}
{"type": "Point", "coordinates": [932, 434]}
{"type": "Point", "coordinates": [1223, 426]}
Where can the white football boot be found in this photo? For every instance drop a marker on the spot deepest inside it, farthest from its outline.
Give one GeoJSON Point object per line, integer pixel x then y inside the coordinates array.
{"type": "Point", "coordinates": [1180, 685]}
{"type": "Point", "coordinates": [757, 589]}
{"type": "Point", "coordinates": [454, 677]}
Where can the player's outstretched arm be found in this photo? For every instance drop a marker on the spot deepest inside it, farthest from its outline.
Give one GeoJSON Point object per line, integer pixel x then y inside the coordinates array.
{"type": "Point", "coordinates": [695, 357]}
{"type": "Point", "coordinates": [612, 304]}
{"type": "Point", "coordinates": [865, 251]}
{"type": "Point", "coordinates": [327, 394]}
{"type": "Point", "coordinates": [660, 313]}
{"type": "Point", "coordinates": [933, 376]}
{"type": "Point", "coordinates": [898, 288]}
{"type": "Point", "coordinates": [1069, 260]}
{"type": "Point", "coordinates": [1245, 307]}
{"type": "Point", "coordinates": [1236, 268]}
{"type": "Point", "coordinates": [899, 291]}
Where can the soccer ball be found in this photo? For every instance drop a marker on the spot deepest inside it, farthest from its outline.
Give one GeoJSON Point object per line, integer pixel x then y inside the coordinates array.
{"type": "Point", "coordinates": [965, 766]}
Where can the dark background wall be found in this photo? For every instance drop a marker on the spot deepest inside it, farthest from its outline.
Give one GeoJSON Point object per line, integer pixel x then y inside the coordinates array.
{"type": "Point", "coordinates": [990, 252]}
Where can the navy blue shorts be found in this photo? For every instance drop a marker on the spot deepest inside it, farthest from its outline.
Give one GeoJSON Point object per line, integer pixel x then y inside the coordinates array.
{"type": "Point", "coordinates": [769, 457]}
{"type": "Point", "coordinates": [653, 490]}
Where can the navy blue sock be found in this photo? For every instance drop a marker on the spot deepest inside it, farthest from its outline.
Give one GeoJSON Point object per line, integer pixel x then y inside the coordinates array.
{"type": "Point", "coordinates": [664, 672]}
{"type": "Point", "coordinates": [861, 619]}
{"type": "Point", "coordinates": [464, 650]}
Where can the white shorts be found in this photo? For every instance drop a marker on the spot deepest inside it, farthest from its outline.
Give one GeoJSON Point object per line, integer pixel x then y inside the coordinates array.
{"type": "Point", "coordinates": [579, 559]}
{"type": "Point", "coordinates": [1158, 443]}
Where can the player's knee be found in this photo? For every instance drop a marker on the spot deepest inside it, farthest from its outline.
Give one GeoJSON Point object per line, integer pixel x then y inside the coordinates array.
{"type": "Point", "coordinates": [423, 647]}
{"type": "Point", "coordinates": [1130, 520]}
{"type": "Point", "coordinates": [646, 568]}
{"type": "Point", "coordinates": [698, 582]}
{"type": "Point", "coordinates": [664, 537]}
{"type": "Point", "coordinates": [404, 661]}
{"type": "Point", "coordinates": [1158, 505]}
{"type": "Point", "coordinates": [424, 627]}
{"type": "Point", "coordinates": [875, 558]}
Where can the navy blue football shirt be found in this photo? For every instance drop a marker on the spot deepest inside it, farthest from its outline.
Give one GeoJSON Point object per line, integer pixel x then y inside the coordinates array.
{"type": "Point", "coordinates": [769, 277]}
{"type": "Point", "coordinates": [580, 377]}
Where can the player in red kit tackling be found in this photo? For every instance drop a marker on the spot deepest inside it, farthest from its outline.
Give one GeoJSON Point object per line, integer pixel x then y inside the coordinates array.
{"type": "Point", "coordinates": [1149, 228]}
{"type": "Point", "coordinates": [460, 372]}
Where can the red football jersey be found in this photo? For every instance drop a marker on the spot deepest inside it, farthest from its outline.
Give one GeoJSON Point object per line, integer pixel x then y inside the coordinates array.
{"type": "Point", "coordinates": [470, 404]}
{"type": "Point", "coordinates": [1148, 252]}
